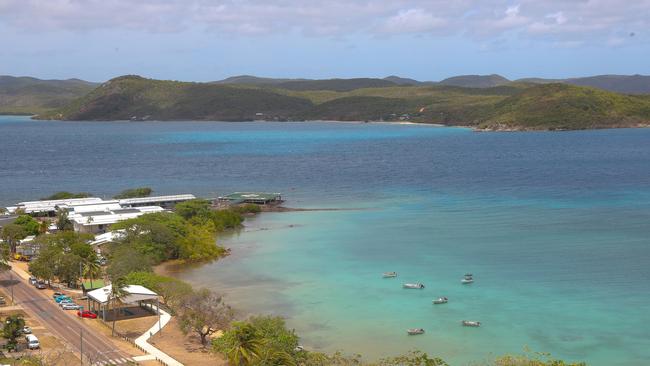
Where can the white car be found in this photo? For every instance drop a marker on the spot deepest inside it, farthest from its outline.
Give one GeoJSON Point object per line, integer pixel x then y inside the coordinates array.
{"type": "Point", "coordinates": [66, 301]}
{"type": "Point", "coordinates": [70, 306]}
{"type": "Point", "coordinates": [27, 330]}
{"type": "Point", "coordinates": [32, 341]}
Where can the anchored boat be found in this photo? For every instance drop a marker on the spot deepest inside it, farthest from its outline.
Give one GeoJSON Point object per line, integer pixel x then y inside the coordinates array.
{"type": "Point", "coordinates": [389, 274]}
{"type": "Point", "coordinates": [440, 300]}
{"type": "Point", "coordinates": [467, 281]}
{"type": "Point", "coordinates": [413, 285]}
{"type": "Point", "coordinates": [415, 331]}
{"type": "Point", "coordinates": [469, 323]}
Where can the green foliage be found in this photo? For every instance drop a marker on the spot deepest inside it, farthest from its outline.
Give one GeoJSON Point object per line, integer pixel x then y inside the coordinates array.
{"type": "Point", "coordinates": [192, 208]}
{"type": "Point", "coordinates": [134, 193]}
{"type": "Point", "coordinates": [63, 223]}
{"type": "Point", "coordinates": [203, 312]}
{"type": "Point", "coordinates": [25, 95]}
{"type": "Point", "coordinates": [261, 340]}
{"type": "Point", "coordinates": [248, 208]}
{"type": "Point", "coordinates": [12, 330]}
{"type": "Point", "coordinates": [63, 195]}
{"type": "Point", "coordinates": [533, 359]}
{"type": "Point", "coordinates": [11, 234]}
{"type": "Point", "coordinates": [498, 104]}
{"type": "Point", "coordinates": [172, 290]}
{"type": "Point", "coordinates": [124, 259]}
{"type": "Point", "coordinates": [413, 358]}
{"type": "Point", "coordinates": [62, 255]}
{"type": "Point", "coordinates": [29, 224]}
{"type": "Point", "coordinates": [199, 244]}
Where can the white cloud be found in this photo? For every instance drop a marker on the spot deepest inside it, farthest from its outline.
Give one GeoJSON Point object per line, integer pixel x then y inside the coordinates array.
{"type": "Point", "coordinates": [555, 21]}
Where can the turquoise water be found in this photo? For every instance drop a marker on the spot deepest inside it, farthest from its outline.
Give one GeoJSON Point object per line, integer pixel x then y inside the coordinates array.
{"type": "Point", "coordinates": [554, 226]}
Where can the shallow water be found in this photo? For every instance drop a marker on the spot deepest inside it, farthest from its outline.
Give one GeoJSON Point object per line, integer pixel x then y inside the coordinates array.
{"type": "Point", "coordinates": [554, 226]}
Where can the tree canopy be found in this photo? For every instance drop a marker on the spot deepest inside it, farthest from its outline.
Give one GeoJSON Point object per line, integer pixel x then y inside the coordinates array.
{"type": "Point", "coordinates": [63, 195]}
{"type": "Point", "coordinates": [134, 193]}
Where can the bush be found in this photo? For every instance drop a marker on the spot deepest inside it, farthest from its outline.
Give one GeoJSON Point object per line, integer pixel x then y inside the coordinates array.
{"type": "Point", "coordinates": [63, 195]}
{"type": "Point", "coordinates": [29, 224]}
{"type": "Point", "coordinates": [134, 193]}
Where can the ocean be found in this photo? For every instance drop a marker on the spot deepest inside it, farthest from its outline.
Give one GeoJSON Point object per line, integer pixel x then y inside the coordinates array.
{"type": "Point", "coordinates": [555, 226]}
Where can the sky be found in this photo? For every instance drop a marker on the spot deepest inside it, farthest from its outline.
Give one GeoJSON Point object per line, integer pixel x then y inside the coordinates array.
{"type": "Point", "coordinates": [206, 40]}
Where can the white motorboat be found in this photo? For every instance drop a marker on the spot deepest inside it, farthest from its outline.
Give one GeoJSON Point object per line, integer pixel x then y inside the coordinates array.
{"type": "Point", "coordinates": [440, 300]}
{"type": "Point", "coordinates": [389, 274]}
{"type": "Point", "coordinates": [413, 285]}
{"type": "Point", "coordinates": [415, 331]}
{"type": "Point", "coordinates": [469, 323]}
{"type": "Point", "coordinates": [467, 281]}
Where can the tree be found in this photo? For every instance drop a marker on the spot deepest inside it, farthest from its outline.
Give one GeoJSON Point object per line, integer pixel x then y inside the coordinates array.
{"type": "Point", "coordinates": [134, 193]}
{"type": "Point", "coordinates": [63, 195]}
{"type": "Point", "coordinates": [413, 358]}
{"type": "Point", "coordinates": [43, 226]}
{"type": "Point", "coordinates": [117, 291]}
{"type": "Point", "coordinates": [191, 208]}
{"type": "Point", "coordinates": [63, 223]}
{"type": "Point", "coordinates": [12, 234]}
{"type": "Point", "coordinates": [13, 328]}
{"type": "Point", "coordinates": [124, 259]}
{"type": "Point", "coordinates": [4, 258]}
{"type": "Point", "coordinates": [240, 344]}
{"type": "Point", "coordinates": [203, 312]}
{"type": "Point", "coordinates": [28, 223]}
{"type": "Point", "coordinates": [91, 270]}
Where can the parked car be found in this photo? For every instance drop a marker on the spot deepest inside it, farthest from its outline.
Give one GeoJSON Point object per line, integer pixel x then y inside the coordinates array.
{"type": "Point", "coordinates": [32, 342]}
{"type": "Point", "coordinates": [40, 285]}
{"type": "Point", "coordinates": [70, 306]}
{"type": "Point", "coordinates": [57, 294]}
{"type": "Point", "coordinates": [86, 314]}
{"type": "Point", "coordinates": [66, 301]}
{"type": "Point", "coordinates": [27, 330]}
{"type": "Point", "coordinates": [32, 281]}
{"type": "Point", "coordinates": [60, 298]}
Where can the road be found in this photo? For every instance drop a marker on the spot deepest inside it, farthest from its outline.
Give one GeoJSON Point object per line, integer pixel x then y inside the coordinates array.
{"type": "Point", "coordinates": [97, 349]}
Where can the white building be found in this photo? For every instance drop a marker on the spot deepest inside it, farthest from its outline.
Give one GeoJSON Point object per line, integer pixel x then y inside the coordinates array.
{"type": "Point", "coordinates": [48, 207]}
{"type": "Point", "coordinates": [162, 201]}
{"type": "Point", "coordinates": [96, 222]}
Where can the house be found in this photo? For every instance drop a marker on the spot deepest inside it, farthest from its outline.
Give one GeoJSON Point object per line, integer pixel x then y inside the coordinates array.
{"type": "Point", "coordinates": [96, 222]}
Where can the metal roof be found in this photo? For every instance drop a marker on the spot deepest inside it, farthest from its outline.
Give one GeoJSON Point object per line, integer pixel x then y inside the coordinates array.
{"type": "Point", "coordinates": [154, 199]}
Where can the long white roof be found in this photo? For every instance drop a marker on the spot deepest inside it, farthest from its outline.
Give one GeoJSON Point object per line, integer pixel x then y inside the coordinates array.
{"type": "Point", "coordinates": [113, 216]}
{"type": "Point", "coordinates": [154, 199]}
{"type": "Point", "coordinates": [50, 205]}
{"type": "Point", "coordinates": [134, 293]}
{"type": "Point", "coordinates": [108, 237]}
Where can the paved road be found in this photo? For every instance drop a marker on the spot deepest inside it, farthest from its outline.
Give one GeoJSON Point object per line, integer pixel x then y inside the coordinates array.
{"type": "Point", "coordinates": [96, 347]}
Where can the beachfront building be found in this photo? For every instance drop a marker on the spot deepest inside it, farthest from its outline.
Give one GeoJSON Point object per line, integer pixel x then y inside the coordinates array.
{"type": "Point", "coordinates": [133, 303]}
{"type": "Point", "coordinates": [97, 222]}
{"type": "Point", "coordinates": [259, 198]}
{"type": "Point", "coordinates": [167, 202]}
{"type": "Point", "coordinates": [49, 207]}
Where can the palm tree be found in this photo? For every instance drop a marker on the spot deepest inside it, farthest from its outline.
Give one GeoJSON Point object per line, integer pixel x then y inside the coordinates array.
{"type": "Point", "coordinates": [117, 291]}
{"type": "Point", "coordinates": [91, 270]}
{"type": "Point", "coordinates": [246, 346]}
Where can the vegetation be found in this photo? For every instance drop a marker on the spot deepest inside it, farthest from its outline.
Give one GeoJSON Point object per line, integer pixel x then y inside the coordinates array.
{"type": "Point", "coordinates": [134, 193]}
{"type": "Point", "coordinates": [62, 255]}
{"type": "Point", "coordinates": [492, 102]}
{"type": "Point", "coordinates": [29, 224]}
{"type": "Point", "coordinates": [12, 329]}
{"type": "Point", "coordinates": [203, 312]}
{"type": "Point", "coordinates": [63, 195]}
{"type": "Point", "coordinates": [11, 234]}
{"type": "Point", "coordinates": [173, 291]}
{"type": "Point", "coordinates": [25, 95]}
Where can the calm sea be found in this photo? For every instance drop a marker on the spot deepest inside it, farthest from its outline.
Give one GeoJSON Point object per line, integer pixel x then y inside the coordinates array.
{"type": "Point", "coordinates": [554, 226]}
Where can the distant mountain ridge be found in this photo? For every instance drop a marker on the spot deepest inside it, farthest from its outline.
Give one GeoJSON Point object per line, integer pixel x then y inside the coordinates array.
{"type": "Point", "coordinates": [512, 106]}
{"type": "Point", "coordinates": [27, 95]}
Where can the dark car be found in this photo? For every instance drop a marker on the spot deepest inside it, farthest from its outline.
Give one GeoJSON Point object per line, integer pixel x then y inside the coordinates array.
{"type": "Point", "coordinates": [41, 285]}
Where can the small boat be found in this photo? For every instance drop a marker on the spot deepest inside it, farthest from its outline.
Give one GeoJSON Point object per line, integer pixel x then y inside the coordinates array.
{"type": "Point", "coordinates": [389, 274]}
{"type": "Point", "coordinates": [468, 275]}
{"type": "Point", "coordinates": [413, 285]}
{"type": "Point", "coordinates": [441, 300]}
{"type": "Point", "coordinates": [469, 323]}
{"type": "Point", "coordinates": [466, 281]}
{"type": "Point", "coordinates": [415, 331]}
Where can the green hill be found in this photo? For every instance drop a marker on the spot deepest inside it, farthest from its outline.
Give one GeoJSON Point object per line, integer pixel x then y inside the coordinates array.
{"type": "Point", "coordinates": [512, 106]}
{"type": "Point", "coordinates": [137, 98]}
{"type": "Point", "coordinates": [26, 95]}
{"type": "Point", "coordinates": [475, 81]}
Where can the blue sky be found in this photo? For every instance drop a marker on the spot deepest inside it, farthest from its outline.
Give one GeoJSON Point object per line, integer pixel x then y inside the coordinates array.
{"type": "Point", "coordinates": [205, 40]}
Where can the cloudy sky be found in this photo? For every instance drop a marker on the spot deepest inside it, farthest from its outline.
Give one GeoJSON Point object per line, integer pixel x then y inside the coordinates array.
{"type": "Point", "coordinates": [424, 39]}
